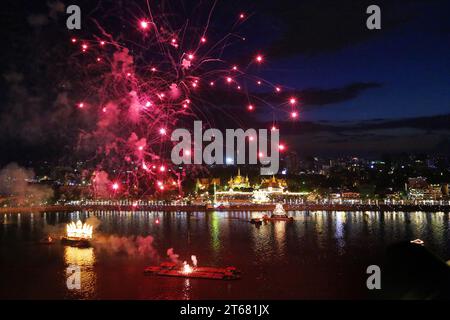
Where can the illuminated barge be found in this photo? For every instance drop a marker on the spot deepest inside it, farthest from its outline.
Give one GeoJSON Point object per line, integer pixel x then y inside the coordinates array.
{"type": "Point", "coordinates": [47, 241]}
{"type": "Point", "coordinates": [173, 270]}
{"type": "Point", "coordinates": [279, 214]}
{"type": "Point", "coordinates": [78, 235]}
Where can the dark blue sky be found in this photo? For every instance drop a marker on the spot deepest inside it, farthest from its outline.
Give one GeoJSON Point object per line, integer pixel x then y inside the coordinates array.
{"type": "Point", "coordinates": [362, 91]}
{"type": "Point", "coordinates": [411, 62]}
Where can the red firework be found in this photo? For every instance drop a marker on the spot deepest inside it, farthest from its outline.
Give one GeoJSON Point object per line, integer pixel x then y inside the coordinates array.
{"type": "Point", "coordinates": [141, 86]}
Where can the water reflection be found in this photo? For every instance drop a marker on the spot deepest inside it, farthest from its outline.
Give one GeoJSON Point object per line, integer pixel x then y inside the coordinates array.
{"type": "Point", "coordinates": [280, 236]}
{"type": "Point", "coordinates": [187, 289]}
{"type": "Point", "coordinates": [321, 247]}
{"type": "Point", "coordinates": [320, 227]}
{"type": "Point", "coordinates": [341, 219]}
{"type": "Point", "coordinates": [85, 259]}
{"type": "Point", "coordinates": [215, 241]}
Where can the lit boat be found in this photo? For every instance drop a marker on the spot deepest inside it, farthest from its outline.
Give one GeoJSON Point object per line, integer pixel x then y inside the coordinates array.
{"type": "Point", "coordinates": [47, 240]}
{"type": "Point", "coordinates": [418, 241]}
{"type": "Point", "coordinates": [173, 270]}
{"type": "Point", "coordinates": [256, 221]}
{"type": "Point", "coordinates": [76, 242]}
{"type": "Point", "coordinates": [78, 235]}
{"type": "Point", "coordinates": [279, 214]}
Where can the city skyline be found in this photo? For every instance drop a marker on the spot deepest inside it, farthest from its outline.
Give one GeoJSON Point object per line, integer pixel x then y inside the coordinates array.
{"type": "Point", "coordinates": [232, 157]}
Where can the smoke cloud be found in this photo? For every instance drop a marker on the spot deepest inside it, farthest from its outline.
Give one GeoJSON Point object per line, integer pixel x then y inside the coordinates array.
{"type": "Point", "coordinates": [19, 184]}
{"type": "Point", "coordinates": [94, 222]}
{"type": "Point", "coordinates": [173, 256]}
{"type": "Point", "coordinates": [132, 246]}
{"type": "Point", "coordinates": [101, 184]}
{"type": "Point", "coordinates": [194, 260]}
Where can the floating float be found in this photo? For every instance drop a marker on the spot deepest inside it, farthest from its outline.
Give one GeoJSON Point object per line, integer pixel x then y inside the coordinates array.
{"type": "Point", "coordinates": [279, 214]}
{"type": "Point", "coordinates": [186, 271]}
{"type": "Point", "coordinates": [47, 240]}
{"type": "Point", "coordinates": [78, 235]}
{"type": "Point", "coordinates": [256, 221]}
{"type": "Point", "coordinates": [418, 241]}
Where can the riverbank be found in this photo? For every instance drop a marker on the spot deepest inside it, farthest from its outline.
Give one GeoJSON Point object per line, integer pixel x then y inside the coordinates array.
{"type": "Point", "coordinates": [240, 207]}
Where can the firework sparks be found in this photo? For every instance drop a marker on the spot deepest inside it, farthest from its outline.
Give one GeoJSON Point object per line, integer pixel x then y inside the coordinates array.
{"type": "Point", "coordinates": [144, 24]}
{"type": "Point", "coordinates": [141, 88]}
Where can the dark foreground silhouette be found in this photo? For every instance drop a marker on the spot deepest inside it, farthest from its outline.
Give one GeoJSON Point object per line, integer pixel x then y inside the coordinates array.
{"type": "Point", "coordinates": [411, 271]}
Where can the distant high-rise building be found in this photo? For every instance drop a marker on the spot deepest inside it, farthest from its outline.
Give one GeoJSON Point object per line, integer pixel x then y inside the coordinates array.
{"type": "Point", "coordinates": [292, 163]}
{"type": "Point", "coordinates": [417, 183]}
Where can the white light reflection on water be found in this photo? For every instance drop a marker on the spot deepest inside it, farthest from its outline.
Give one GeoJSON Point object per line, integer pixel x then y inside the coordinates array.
{"type": "Point", "coordinates": [187, 289]}
{"type": "Point", "coordinates": [341, 220]}
{"type": "Point", "coordinates": [315, 245]}
{"type": "Point", "coordinates": [85, 259]}
{"type": "Point", "coordinates": [280, 237]}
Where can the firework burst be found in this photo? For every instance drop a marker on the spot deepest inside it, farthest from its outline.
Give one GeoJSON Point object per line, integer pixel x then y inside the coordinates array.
{"type": "Point", "coordinates": [141, 82]}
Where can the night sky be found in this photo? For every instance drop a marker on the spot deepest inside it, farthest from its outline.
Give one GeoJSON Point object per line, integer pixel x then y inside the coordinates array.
{"type": "Point", "coordinates": [363, 92]}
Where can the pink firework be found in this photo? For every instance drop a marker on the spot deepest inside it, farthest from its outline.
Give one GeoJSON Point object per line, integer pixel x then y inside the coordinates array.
{"type": "Point", "coordinates": [141, 82]}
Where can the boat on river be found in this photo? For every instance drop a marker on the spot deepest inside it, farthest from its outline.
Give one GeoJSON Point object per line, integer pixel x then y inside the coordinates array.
{"type": "Point", "coordinates": [47, 240]}
{"type": "Point", "coordinates": [418, 241]}
{"type": "Point", "coordinates": [170, 269]}
{"type": "Point", "coordinates": [256, 221]}
{"type": "Point", "coordinates": [76, 242]}
{"type": "Point", "coordinates": [278, 214]}
{"type": "Point", "coordinates": [78, 235]}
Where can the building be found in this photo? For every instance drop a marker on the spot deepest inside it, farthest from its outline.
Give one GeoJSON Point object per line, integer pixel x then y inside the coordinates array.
{"type": "Point", "coordinates": [419, 189]}
{"type": "Point", "coordinates": [271, 189]}
{"type": "Point", "coordinates": [417, 183]}
{"type": "Point", "coordinates": [203, 184]}
{"type": "Point", "coordinates": [292, 163]}
{"type": "Point", "coordinates": [273, 184]}
{"type": "Point", "coordinates": [239, 182]}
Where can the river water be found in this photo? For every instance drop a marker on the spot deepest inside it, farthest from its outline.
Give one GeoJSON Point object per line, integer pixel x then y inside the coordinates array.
{"type": "Point", "coordinates": [320, 255]}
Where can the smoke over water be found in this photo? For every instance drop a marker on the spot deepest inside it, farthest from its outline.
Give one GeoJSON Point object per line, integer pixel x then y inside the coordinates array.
{"type": "Point", "coordinates": [132, 245]}
{"type": "Point", "coordinates": [94, 222]}
{"type": "Point", "coordinates": [129, 245]}
{"type": "Point", "coordinates": [194, 260]}
{"type": "Point", "coordinates": [173, 256]}
{"type": "Point", "coordinates": [18, 184]}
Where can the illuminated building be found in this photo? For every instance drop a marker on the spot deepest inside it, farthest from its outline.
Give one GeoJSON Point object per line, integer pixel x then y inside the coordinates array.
{"type": "Point", "coordinates": [269, 190]}
{"type": "Point", "coordinates": [203, 184]}
{"type": "Point", "coordinates": [239, 182]}
{"type": "Point", "coordinates": [273, 184]}
{"type": "Point", "coordinates": [419, 189]}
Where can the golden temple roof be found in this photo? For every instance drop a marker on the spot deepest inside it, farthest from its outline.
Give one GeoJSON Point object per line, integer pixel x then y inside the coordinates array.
{"type": "Point", "coordinates": [239, 181]}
